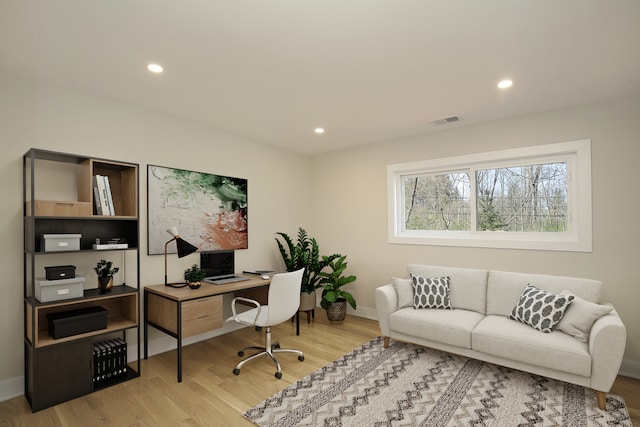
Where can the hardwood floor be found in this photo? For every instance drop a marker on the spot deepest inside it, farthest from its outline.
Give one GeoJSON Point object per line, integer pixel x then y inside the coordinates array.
{"type": "Point", "coordinates": [629, 389]}
{"type": "Point", "coordinates": [210, 395]}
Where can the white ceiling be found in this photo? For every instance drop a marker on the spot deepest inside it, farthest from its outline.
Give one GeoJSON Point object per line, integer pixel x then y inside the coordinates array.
{"type": "Point", "coordinates": [365, 70]}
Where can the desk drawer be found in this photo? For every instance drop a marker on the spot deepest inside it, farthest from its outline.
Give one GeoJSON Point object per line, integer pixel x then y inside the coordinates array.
{"type": "Point", "coordinates": [201, 315]}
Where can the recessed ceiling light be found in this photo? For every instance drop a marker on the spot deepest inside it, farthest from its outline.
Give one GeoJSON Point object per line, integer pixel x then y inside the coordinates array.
{"type": "Point", "coordinates": [319, 131]}
{"type": "Point", "coordinates": [504, 84]}
{"type": "Point", "coordinates": [155, 68]}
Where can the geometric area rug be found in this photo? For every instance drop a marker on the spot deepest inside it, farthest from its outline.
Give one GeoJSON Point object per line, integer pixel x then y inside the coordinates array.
{"type": "Point", "coordinates": [410, 385]}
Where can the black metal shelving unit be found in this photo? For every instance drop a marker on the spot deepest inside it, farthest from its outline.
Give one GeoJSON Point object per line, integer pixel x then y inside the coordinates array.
{"type": "Point", "coordinates": [57, 370]}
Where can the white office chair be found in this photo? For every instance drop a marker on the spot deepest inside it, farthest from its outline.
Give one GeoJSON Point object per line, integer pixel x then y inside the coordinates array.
{"type": "Point", "coordinates": [283, 302]}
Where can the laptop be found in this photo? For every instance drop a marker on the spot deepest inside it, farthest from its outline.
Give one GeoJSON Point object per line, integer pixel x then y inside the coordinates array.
{"type": "Point", "coordinates": [219, 267]}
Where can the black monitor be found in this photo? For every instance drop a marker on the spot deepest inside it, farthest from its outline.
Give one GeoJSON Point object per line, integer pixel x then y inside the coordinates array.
{"type": "Point", "coordinates": [218, 263]}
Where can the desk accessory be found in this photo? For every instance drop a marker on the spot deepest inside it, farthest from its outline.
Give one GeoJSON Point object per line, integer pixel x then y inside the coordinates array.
{"type": "Point", "coordinates": [184, 248]}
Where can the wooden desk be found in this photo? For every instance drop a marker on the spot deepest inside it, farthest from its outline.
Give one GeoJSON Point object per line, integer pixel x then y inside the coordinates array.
{"type": "Point", "coordinates": [184, 312]}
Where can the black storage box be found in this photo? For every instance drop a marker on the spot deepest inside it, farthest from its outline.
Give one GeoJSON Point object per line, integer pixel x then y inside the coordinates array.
{"type": "Point", "coordinates": [60, 272]}
{"type": "Point", "coordinates": [74, 322]}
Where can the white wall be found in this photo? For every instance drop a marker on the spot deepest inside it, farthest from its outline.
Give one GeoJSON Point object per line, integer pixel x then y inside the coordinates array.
{"type": "Point", "coordinates": [341, 202]}
{"type": "Point", "coordinates": [41, 116]}
{"type": "Point", "coordinates": [351, 205]}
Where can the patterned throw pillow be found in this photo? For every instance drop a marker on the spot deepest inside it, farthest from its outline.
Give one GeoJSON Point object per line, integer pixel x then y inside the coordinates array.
{"type": "Point", "coordinates": [430, 292]}
{"type": "Point", "coordinates": [540, 309]}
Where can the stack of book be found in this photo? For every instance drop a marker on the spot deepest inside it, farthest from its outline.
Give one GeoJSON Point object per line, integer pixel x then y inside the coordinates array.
{"type": "Point", "coordinates": [113, 243]}
{"type": "Point", "coordinates": [102, 195]}
{"type": "Point", "coordinates": [109, 360]}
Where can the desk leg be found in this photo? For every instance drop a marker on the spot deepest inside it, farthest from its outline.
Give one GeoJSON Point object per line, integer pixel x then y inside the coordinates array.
{"type": "Point", "coordinates": [146, 328]}
{"type": "Point", "coordinates": [298, 322]}
{"type": "Point", "coordinates": [179, 316]}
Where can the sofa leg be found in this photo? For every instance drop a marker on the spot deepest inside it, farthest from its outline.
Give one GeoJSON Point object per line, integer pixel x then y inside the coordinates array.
{"type": "Point", "coordinates": [602, 400]}
{"type": "Point", "coordinates": [386, 342]}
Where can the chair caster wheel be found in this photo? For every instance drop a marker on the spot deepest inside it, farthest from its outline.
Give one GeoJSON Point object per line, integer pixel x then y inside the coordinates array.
{"type": "Point", "coordinates": [277, 345]}
{"type": "Point", "coordinates": [278, 375]}
{"type": "Point", "coordinates": [236, 371]}
{"type": "Point", "coordinates": [241, 353]}
{"type": "Point", "coordinates": [301, 358]}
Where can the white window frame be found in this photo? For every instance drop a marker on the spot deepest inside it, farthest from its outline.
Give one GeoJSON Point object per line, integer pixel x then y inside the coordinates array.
{"type": "Point", "coordinates": [578, 238]}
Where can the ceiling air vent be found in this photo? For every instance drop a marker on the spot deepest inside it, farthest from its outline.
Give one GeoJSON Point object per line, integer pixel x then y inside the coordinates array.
{"type": "Point", "coordinates": [446, 120]}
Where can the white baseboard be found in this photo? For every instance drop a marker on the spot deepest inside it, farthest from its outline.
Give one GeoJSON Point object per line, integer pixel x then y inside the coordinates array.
{"type": "Point", "coordinates": [630, 368]}
{"type": "Point", "coordinates": [366, 312]}
{"type": "Point", "coordinates": [11, 388]}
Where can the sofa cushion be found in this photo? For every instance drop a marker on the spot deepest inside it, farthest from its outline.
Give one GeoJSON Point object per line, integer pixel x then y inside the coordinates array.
{"type": "Point", "coordinates": [580, 316]}
{"type": "Point", "coordinates": [467, 287]}
{"type": "Point", "coordinates": [499, 336]}
{"type": "Point", "coordinates": [505, 288]}
{"type": "Point", "coordinates": [540, 309]}
{"type": "Point", "coordinates": [430, 292]}
{"type": "Point", "coordinates": [451, 327]}
{"type": "Point", "coordinates": [404, 289]}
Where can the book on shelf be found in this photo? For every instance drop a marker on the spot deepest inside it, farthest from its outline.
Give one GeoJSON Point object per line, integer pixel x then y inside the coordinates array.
{"type": "Point", "coordinates": [110, 243]}
{"type": "Point", "coordinates": [96, 196]}
{"type": "Point", "coordinates": [109, 360]}
{"type": "Point", "coordinates": [107, 191]}
{"type": "Point", "coordinates": [102, 195]}
{"type": "Point", "coordinates": [106, 246]}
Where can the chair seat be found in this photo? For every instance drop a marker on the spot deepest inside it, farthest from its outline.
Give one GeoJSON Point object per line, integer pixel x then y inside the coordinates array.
{"type": "Point", "coordinates": [248, 316]}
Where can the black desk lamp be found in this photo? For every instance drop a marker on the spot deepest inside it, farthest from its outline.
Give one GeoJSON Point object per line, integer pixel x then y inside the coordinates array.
{"type": "Point", "coordinates": [184, 248]}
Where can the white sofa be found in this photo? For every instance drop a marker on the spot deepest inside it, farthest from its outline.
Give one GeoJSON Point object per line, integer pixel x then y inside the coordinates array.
{"type": "Point", "coordinates": [478, 325]}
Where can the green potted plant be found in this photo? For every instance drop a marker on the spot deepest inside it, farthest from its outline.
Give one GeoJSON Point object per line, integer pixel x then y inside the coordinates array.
{"type": "Point", "coordinates": [105, 271]}
{"type": "Point", "coordinates": [304, 253]}
{"type": "Point", "coordinates": [194, 275]}
{"type": "Point", "coordinates": [334, 299]}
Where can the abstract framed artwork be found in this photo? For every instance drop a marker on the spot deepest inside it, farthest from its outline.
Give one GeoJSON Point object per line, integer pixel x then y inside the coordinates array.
{"type": "Point", "coordinates": [210, 211]}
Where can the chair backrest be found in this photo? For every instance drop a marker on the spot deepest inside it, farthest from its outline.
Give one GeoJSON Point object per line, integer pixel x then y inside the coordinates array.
{"type": "Point", "coordinates": [284, 296]}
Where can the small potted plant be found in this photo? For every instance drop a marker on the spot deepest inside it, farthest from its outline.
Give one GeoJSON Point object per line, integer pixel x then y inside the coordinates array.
{"type": "Point", "coordinates": [105, 271]}
{"type": "Point", "coordinates": [194, 275]}
{"type": "Point", "coordinates": [334, 299]}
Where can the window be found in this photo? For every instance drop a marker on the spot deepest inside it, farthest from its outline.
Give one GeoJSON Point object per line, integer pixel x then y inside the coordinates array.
{"type": "Point", "coordinates": [529, 198]}
{"type": "Point", "coordinates": [437, 202]}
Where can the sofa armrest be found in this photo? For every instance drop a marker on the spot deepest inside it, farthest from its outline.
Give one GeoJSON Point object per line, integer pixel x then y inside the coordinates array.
{"type": "Point", "coordinates": [607, 342]}
{"type": "Point", "coordinates": [386, 303]}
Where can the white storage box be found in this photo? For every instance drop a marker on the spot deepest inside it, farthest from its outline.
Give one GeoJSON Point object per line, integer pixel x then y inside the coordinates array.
{"type": "Point", "coordinates": [60, 242]}
{"type": "Point", "coordinates": [55, 290]}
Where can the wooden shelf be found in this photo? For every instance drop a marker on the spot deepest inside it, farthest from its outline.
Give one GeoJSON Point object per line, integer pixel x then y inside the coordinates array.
{"type": "Point", "coordinates": [68, 207]}
{"type": "Point", "coordinates": [122, 313]}
{"type": "Point", "coordinates": [123, 179]}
